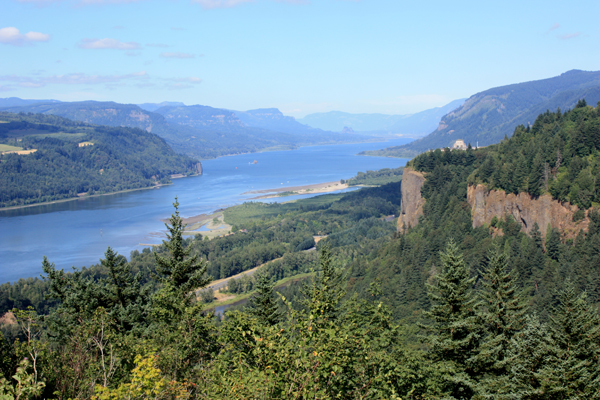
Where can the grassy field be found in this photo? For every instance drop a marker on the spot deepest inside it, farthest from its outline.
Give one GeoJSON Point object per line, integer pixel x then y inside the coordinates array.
{"type": "Point", "coordinates": [248, 211]}
{"type": "Point", "coordinates": [6, 147]}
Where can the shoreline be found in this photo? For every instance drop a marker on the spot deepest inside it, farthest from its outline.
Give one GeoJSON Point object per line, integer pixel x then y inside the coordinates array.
{"type": "Point", "coordinates": [81, 197]}
{"type": "Point", "coordinates": [45, 203]}
{"type": "Point", "coordinates": [317, 188]}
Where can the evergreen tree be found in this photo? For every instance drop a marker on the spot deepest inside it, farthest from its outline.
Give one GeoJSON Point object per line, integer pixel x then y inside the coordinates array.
{"type": "Point", "coordinates": [324, 295]}
{"type": "Point", "coordinates": [263, 305]}
{"type": "Point", "coordinates": [536, 176]}
{"type": "Point", "coordinates": [575, 329]}
{"type": "Point", "coordinates": [455, 328]}
{"type": "Point", "coordinates": [503, 315]}
{"type": "Point", "coordinates": [532, 350]}
{"type": "Point", "coordinates": [520, 175]}
{"type": "Point", "coordinates": [553, 244]}
{"type": "Point", "coordinates": [128, 299]}
{"type": "Point", "coordinates": [7, 358]}
{"type": "Point", "coordinates": [183, 272]}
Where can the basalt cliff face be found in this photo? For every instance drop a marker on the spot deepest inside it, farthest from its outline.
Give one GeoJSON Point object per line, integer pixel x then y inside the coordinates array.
{"type": "Point", "coordinates": [411, 207]}
{"type": "Point", "coordinates": [485, 204]}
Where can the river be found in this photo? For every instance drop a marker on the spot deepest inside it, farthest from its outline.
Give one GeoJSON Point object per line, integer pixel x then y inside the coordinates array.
{"type": "Point", "coordinates": [77, 233]}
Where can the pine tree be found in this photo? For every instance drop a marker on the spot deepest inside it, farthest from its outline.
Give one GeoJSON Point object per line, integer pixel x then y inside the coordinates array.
{"type": "Point", "coordinates": [182, 272]}
{"type": "Point", "coordinates": [127, 298]}
{"type": "Point", "coordinates": [503, 315]}
{"type": "Point", "coordinates": [263, 305]}
{"type": "Point", "coordinates": [553, 244]}
{"type": "Point", "coordinates": [575, 329]}
{"type": "Point", "coordinates": [520, 175]}
{"type": "Point", "coordinates": [324, 295]}
{"type": "Point", "coordinates": [536, 176]}
{"type": "Point", "coordinates": [532, 351]}
{"type": "Point", "coordinates": [455, 328]}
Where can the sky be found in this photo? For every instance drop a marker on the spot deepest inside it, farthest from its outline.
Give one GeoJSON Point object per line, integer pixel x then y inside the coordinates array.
{"type": "Point", "coordinates": [301, 56]}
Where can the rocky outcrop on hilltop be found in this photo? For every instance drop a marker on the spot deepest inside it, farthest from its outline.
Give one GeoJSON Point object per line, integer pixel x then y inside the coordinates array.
{"type": "Point", "coordinates": [198, 168]}
{"type": "Point", "coordinates": [411, 207]}
{"type": "Point", "coordinates": [487, 204]}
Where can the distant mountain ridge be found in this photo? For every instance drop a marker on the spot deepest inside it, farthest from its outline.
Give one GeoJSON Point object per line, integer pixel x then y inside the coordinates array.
{"type": "Point", "coordinates": [410, 124]}
{"type": "Point", "coordinates": [273, 119]}
{"type": "Point", "coordinates": [17, 102]}
{"type": "Point", "coordinates": [155, 106]}
{"type": "Point", "coordinates": [198, 131]}
{"type": "Point", "coordinates": [486, 117]}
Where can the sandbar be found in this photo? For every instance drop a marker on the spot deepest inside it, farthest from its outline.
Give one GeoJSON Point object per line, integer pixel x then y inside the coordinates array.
{"type": "Point", "coordinates": [325, 187]}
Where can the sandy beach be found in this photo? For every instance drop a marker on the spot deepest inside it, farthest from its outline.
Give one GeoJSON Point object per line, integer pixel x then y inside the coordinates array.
{"type": "Point", "coordinates": [325, 187]}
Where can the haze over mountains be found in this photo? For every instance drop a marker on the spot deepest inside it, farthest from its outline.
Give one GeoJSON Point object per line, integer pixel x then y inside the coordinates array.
{"type": "Point", "coordinates": [198, 131]}
{"type": "Point", "coordinates": [410, 124]}
{"type": "Point", "coordinates": [486, 117]}
{"type": "Point", "coordinates": [206, 132]}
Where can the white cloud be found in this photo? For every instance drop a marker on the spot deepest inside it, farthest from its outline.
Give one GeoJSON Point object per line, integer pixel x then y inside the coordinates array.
{"type": "Point", "coordinates": [212, 4]}
{"type": "Point", "coordinates": [108, 44]}
{"type": "Point", "coordinates": [70, 79]}
{"type": "Point", "coordinates": [569, 35]}
{"type": "Point", "coordinates": [11, 35]}
{"type": "Point", "coordinates": [189, 79]}
{"type": "Point", "coordinates": [553, 27]}
{"type": "Point", "coordinates": [177, 55]}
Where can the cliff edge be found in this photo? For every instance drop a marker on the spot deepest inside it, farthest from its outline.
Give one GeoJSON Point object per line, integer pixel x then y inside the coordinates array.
{"type": "Point", "coordinates": [411, 206]}
{"type": "Point", "coordinates": [487, 204]}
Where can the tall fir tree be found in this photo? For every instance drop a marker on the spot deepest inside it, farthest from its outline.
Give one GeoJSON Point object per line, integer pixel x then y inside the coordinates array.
{"type": "Point", "coordinates": [455, 329]}
{"type": "Point", "coordinates": [184, 273]}
{"type": "Point", "coordinates": [532, 351]}
{"type": "Point", "coordinates": [575, 328]}
{"type": "Point", "coordinates": [503, 313]}
{"type": "Point", "coordinates": [129, 300]}
{"type": "Point", "coordinates": [263, 305]}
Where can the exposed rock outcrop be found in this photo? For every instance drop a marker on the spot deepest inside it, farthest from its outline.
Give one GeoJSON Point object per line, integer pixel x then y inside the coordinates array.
{"type": "Point", "coordinates": [485, 204]}
{"type": "Point", "coordinates": [411, 207]}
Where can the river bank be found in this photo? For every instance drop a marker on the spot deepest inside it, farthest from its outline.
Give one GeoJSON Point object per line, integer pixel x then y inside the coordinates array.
{"type": "Point", "coordinates": [84, 197]}
{"type": "Point", "coordinates": [325, 187]}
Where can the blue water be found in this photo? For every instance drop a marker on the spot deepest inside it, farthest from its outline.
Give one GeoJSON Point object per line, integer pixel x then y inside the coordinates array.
{"type": "Point", "coordinates": [77, 233]}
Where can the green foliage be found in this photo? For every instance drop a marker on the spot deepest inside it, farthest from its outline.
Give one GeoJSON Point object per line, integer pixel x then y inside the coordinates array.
{"type": "Point", "coordinates": [263, 305]}
{"type": "Point", "coordinates": [380, 177]}
{"type": "Point", "coordinates": [455, 328]}
{"type": "Point", "coordinates": [489, 116]}
{"type": "Point", "coordinates": [503, 315]}
{"type": "Point", "coordinates": [25, 385]}
{"type": "Point", "coordinates": [179, 269]}
{"type": "Point", "coordinates": [120, 159]}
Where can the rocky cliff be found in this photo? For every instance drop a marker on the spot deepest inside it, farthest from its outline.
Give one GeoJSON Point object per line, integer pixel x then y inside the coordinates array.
{"type": "Point", "coordinates": [411, 207]}
{"type": "Point", "coordinates": [485, 204]}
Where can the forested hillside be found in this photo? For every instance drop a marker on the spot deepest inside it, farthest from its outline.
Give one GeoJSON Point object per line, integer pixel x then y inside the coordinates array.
{"type": "Point", "coordinates": [487, 117]}
{"type": "Point", "coordinates": [73, 158]}
{"type": "Point", "coordinates": [438, 310]}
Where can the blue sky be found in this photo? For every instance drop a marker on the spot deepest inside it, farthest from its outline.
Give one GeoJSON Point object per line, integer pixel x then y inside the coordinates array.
{"type": "Point", "coordinates": [301, 56]}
